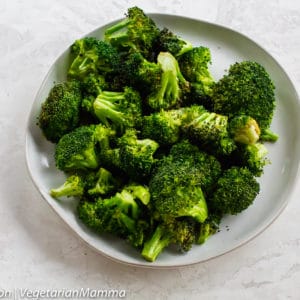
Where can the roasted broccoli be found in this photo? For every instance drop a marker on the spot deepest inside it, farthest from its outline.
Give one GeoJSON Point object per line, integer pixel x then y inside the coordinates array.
{"type": "Point", "coordinates": [209, 130]}
{"type": "Point", "coordinates": [118, 215]}
{"type": "Point", "coordinates": [78, 149]}
{"type": "Point", "coordinates": [119, 110]}
{"type": "Point", "coordinates": [194, 66]}
{"type": "Point", "coordinates": [136, 33]}
{"type": "Point", "coordinates": [93, 84]}
{"type": "Point", "coordinates": [73, 186]}
{"type": "Point", "coordinates": [164, 126]}
{"type": "Point", "coordinates": [178, 232]}
{"type": "Point", "coordinates": [170, 42]}
{"type": "Point", "coordinates": [136, 155]}
{"type": "Point", "coordinates": [246, 89]}
{"type": "Point", "coordinates": [60, 113]}
{"type": "Point", "coordinates": [253, 156]}
{"type": "Point", "coordinates": [235, 190]}
{"type": "Point", "coordinates": [244, 130]}
{"type": "Point", "coordinates": [167, 93]}
{"type": "Point", "coordinates": [91, 56]}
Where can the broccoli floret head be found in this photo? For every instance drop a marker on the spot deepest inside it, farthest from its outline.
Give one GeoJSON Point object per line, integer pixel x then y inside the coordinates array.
{"type": "Point", "coordinates": [253, 156]}
{"type": "Point", "coordinates": [61, 110]}
{"type": "Point", "coordinates": [91, 56]}
{"type": "Point", "coordinates": [93, 84]}
{"type": "Point", "coordinates": [119, 110]}
{"type": "Point", "coordinates": [235, 191]}
{"type": "Point", "coordinates": [140, 73]}
{"type": "Point", "coordinates": [136, 155]}
{"type": "Point", "coordinates": [209, 130]}
{"type": "Point", "coordinates": [78, 149]}
{"type": "Point", "coordinates": [244, 130]}
{"type": "Point", "coordinates": [73, 186]}
{"type": "Point", "coordinates": [246, 89]}
{"type": "Point", "coordinates": [170, 42]}
{"type": "Point", "coordinates": [194, 67]}
{"type": "Point", "coordinates": [136, 33]}
{"type": "Point", "coordinates": [163, 126]}
{"type": "Point", "coordinates": [175, 186]}
{"type": "Point", "coordinates": [103, 183]}
{"type": "Point", "coordinates": [118, 215]}
{"type": "Point", "coordinates": [168, 92]}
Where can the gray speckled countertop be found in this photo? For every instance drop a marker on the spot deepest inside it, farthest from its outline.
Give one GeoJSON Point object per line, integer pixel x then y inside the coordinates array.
{"type": "Point", "coordinates": [37, 251]}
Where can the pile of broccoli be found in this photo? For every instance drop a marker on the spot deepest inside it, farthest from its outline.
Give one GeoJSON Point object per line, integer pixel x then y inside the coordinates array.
{"type": "Point", "coordinates": [155, 150]}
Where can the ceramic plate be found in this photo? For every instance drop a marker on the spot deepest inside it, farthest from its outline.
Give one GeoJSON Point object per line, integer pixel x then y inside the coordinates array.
{"type": "Point", "coordinates": [227, 46]}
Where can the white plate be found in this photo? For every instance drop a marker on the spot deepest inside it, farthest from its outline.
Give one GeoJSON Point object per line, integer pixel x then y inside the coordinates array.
{"type": "Point", "coordinates": [227, 47]}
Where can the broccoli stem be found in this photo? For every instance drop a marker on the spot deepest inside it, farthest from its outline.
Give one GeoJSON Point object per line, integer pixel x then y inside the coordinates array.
{"type": "Point", "coordinates": [117, 27]}
{"type": "Point", "coordinates": [157, 243]}
{"type": "Point", "coordinates": [268, 136]}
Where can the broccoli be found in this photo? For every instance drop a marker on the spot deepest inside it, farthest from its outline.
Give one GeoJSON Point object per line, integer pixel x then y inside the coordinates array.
{"type": "Point", "coordinates": [61, 110]}
{"type": "Point", "coordinates": [207, 228]}
{"type": "Point", "coordinates": [119, 110]}
{"type": "Point", "coordinates": [170, 42]}
{"type": "Point", "coordinates": [77, 150]}
{"type": "Point", "coordinates": [179, 232]}
{"type": "Point", "coordinates": [235, 190]}
{"type": "Point", "coordinates": [244, 129]}
{"type": "Point", "coordinates": [163, 126]}
{"type": "Point", "coordinates": [267, 135]}
{"type": "Point", "coordinates": [91, 56]}
{"type": "Point", "coordinates": [136, 33]}
{"type": "Point", "coordinates": [253, 157]}
{"type": "Point", "coordinates": [136, 155]}
{"type": "Point", "coordinates": [140, 73]}
{"type": "Point", "coordinates": [209, 129]}
{"type": "Point", "coordinates": [246, 89]}
{"type": "Point", "coordinates": [118, 215]}
{"type": "Point", "coordinates": [168, 92]}
{"type": "Point", "coordinates": [175, 188]}
{"type": "Point", "coordinates": [73, 186]}
{"type": "Point", "coordinates": [194, 67]}
{"type": "Point", "coordinates": [93, 84]}
{"type": "Point", "coordinates": [104, 184]}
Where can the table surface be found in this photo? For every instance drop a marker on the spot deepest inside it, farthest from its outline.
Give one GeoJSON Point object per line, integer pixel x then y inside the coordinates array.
{"type": "Point", "coordinates": [39, 252]}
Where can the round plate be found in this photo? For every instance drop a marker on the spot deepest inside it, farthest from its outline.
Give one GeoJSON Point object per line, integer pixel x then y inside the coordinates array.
{"type": "Point", "coordinates": [227, 46]}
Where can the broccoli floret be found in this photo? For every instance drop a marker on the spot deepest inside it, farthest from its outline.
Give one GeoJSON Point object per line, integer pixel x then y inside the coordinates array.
{"type": "Point", "coordinates": [253, 156]}
{"type": "Point", "coordinates": [244, 129]}
{"type": "Point", "coordinates": [93, 84]}
{"type": "Point", "coordinates": [175, 187]}
{"type": "Point", "coordinates": [209, 129]}
{"type": "Point", "coordinates": [136, 155]}
{"type": "Point", "coordinates": [194, 67]}
{"type": "Point", "coordinates": [91, 56]}
{"type": "Point", "coordinates": [73, 186]}
{"type": "Point", "coordinates": [235, 191]}
{"type": "Point", "coordinates": [179, 232]}
{"type": "Point", "coordinates": [104, 184]}
{"type": "Point", "coordinates": [119, 110]}
{"type": "Point", "coordinates": [61, 110]}
{"type": "Point", "coordinates": [77, 150]}
{"type": "Point", "coordinates": [246, 89]}
{"type": "Point", "coordinates": [204, 168]}
{"type": "Point", "coordinates": [170, 42]}
{"type": "Point", "coordinates": [168, 92]}
{"type": "Point", "coordinates": [163, 126]}
{"type": "Point", "coordinates": [140, 73]}
{"type": "Point", "coordinates": [118, 215]}
{"type": "Point", "coordinates": [137, 33]}
{"type": "Point", "coordinates": [208, 228]}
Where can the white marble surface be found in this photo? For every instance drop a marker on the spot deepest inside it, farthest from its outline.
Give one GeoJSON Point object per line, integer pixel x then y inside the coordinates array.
{"type": "Point", "coordinates": [37, 251]}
